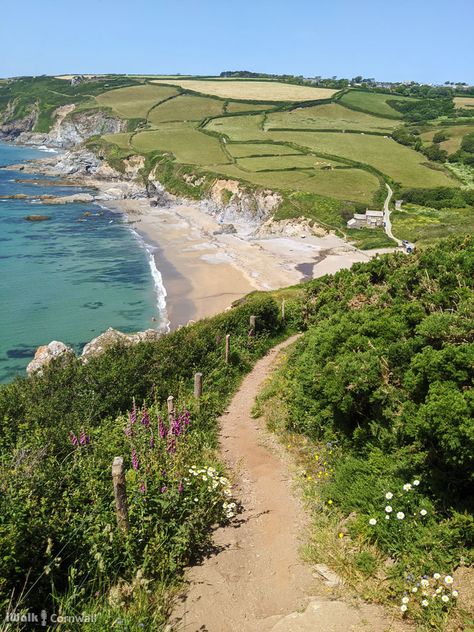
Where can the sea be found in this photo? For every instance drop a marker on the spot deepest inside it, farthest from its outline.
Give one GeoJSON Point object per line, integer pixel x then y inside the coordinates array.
{"type": "Point", "coordinates": [71, 277]}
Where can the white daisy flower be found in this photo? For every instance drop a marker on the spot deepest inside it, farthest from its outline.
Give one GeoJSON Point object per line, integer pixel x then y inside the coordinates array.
{"type": "Point", "coordinates": [403, 608]}
{"type": "Point", "coordinates": [448, 579]}
{"type": "Point", "coordinates": [425, 603]}
{"type": "Point", "coordinates": [423, 512]}
{"type": "Point", "coordinates": [454, 594]}
{"type": "Point", "coordinates": [400, 515]}
{"type": "Point", "coordinates": [387, 517]}
{"type": "Point", "coordinates": [445, 598]}
{"type": "Point", "coordinates": [436, 576]}
{"type": "Point", "coordinates": [425, 583]}
{"type": "Point", "coordinates": [405, 600]}
{"type": "Point", "coordinates": [388, 509]}
{"type": "Point", "coordinates": [416, 482]}
{"type": "Point", "coordinates": [407, 487]}
{"type": "Point", "coordinates": [439, 589]}
{"type": "Point", "coordinates": [373, 522]}
{"type": "Point", "coordinates": [389, 495]}
{"type": "Point", "coordinates": [414, 589]}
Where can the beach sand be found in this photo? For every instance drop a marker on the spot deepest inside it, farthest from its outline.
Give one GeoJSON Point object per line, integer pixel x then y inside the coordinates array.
{"type": "Point", "coordinates": [204, 272]}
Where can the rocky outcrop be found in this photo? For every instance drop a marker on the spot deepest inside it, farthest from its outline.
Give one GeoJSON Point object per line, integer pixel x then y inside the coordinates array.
{"type": "Point", "coordinates": [46, 354]}
{"type": "Point", "coordinates": [69, 129]}
{"type": "Point", "coordinates": [112, 338]}
{"type": "Point", "coordinates": [297, 227]}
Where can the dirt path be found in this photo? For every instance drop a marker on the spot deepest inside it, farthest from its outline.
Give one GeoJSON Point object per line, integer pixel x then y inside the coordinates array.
{"type": "Point", "coordinates": [255, 581]}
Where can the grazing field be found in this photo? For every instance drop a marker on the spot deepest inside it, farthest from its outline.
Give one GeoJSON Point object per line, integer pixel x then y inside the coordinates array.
{"type": "Point", "coordinates": [243, 150]}
{"type": "Point", "coordinates": [135, 101]}
{"type": "Point", "coordinates": [455, 133]}
{"type": "Point", "coordinates": [183, 140]}
{"type": "Point", "coordinates": [341, 184]}
{"type": "Point", "coordinates": [121, 140]}
{"type": "Point", "coordinates": [252, 90]}
{"type": "Point", "coordinates": [400, 163]}
{"type": "Point", "coordinates": [186, 107]}
{"type": "Point", "coordinates": [417, 223]}
{"type": "Point", "coordinates": [372, 102]}
{"type": "Point", "coordinates": [329, 116]}
{"type": "Point", "coordinates": [235, 106]}
{"type": "Point", "coordinates": [275, 163]}
{"type": "Point", "coordinates": [464, 102]}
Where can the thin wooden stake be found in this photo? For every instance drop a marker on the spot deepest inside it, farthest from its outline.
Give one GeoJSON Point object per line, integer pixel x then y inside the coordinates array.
{"type": "Point", "coordinates": [197, 385]}
{"type": "Point", "coordinates": [170, 402]}
{"type": "Point", "coordinates": [120, 492]}
{"type": "Point", "coordinates": [253, 322]}
{"type": "Point", "coordinates": [227, 348]}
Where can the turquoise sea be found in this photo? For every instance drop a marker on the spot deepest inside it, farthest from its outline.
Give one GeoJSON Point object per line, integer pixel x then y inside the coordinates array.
{"type": "Point", "coordinates": [68, 278]}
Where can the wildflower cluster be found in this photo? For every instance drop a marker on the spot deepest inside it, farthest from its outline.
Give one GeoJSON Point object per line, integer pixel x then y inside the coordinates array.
{"type": "Point", "coordinates": [435, 593]}
{"type": "Point", "coordinates": [320, 464]}
{"type": "Point", "coordinates": [215, 483]}
{"type": "Point", "coordinates": [83, 439]}
{"type": "Point", "coordinates": [400, 506]}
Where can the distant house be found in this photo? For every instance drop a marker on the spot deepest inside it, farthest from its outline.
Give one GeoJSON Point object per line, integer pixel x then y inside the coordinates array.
{"type": "Point", "coordinates": [369, 219]}
{"type": "Point", "coordinates": [398, 205]}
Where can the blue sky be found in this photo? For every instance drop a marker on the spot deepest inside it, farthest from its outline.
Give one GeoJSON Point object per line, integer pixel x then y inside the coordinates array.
{"type": "Point", "coordinates": [423, 40]}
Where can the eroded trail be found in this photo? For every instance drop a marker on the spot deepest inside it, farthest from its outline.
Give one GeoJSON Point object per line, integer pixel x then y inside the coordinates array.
{"type": "Point", "coordinates": [255, 581]}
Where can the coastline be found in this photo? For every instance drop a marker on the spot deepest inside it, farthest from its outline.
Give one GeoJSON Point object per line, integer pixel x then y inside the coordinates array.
{"type": "Point", "coordinates": [199, 268]}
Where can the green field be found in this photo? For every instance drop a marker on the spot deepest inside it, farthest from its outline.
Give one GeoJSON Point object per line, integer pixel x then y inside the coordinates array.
{"type": "Point", "coordinates": [185, 107]}
{"type": "Point", "coordinates": [136, 101]}
{"type": "Point", "coordinates": [341, 184]}
{"type": "Point", "coordinates": [188, 145]}
{"type": "Point", "coordinates": [242, 150]}
{"type": "Point", "coordinates": [400, 163]}
{"type": "Point", "coordinates": [372, 102]}
{"type": "Point", "coordinates": [239, 127]}
{"type": "Point", "coordinates": [329, 116]}
{"type": "Point", "coordinates": [274, 163]}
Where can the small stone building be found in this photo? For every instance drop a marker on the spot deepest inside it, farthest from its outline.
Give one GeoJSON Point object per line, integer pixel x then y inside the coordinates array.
{"type": "Point", "coordinates": [369, 219]}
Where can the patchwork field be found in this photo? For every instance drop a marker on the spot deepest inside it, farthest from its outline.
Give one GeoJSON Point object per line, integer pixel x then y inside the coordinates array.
{"type": "Point", "coordinates": [464, 102]}
{"type": "Point", "coordinates": [251, 90]}
{"type": "Point", "coordinates": [372, 102]}
{"type": "Point", "coordinates": [184, 141]}
{"type": "Point", "coordinates": [235, 106]}
{"type": "Point", "coordinates": [135, 101]}
{"type": "Point", "coordinates": [329, 116]}
{"type": "Point", "coordinates": [185, 107]}
{"type": "Point", "coordinates": [455, 134]}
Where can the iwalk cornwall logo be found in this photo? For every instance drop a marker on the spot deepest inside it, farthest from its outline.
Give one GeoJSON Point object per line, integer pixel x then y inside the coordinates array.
{"type": "Point", "coordinates": [45, 618]}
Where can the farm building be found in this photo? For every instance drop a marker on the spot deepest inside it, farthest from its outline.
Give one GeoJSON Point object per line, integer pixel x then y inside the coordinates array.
{"type": "Point", "coordinates": [369, 219]}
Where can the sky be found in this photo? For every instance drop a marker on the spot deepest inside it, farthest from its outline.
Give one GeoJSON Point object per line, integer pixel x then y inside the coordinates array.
{"type": "Point", "coordinates": [422, 40]}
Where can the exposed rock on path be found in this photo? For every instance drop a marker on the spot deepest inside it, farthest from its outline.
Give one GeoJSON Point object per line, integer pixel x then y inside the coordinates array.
{"type": "Point", "coordinates": [256, 581]}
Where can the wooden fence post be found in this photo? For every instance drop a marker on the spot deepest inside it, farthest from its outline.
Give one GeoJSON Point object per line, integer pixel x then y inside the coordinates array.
{"type": "Point", "coordinates": [197, 385]}
{"type": "Point", "coordinates": [253, 323]}
{"type": "Point", "coordinates": [227, 348]}
{"type": "Point", "coordinates": [170, 402]}
{"type": "Point", "coordinates": [120, 492]}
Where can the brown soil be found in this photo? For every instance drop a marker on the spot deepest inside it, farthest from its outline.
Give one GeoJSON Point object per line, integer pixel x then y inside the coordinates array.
{"type": "Point", "coordinates": [255, 580]}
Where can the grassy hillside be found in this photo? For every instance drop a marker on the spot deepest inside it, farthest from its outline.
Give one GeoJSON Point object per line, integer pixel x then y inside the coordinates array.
{"type": "Point", "coordinates": [343, 147]}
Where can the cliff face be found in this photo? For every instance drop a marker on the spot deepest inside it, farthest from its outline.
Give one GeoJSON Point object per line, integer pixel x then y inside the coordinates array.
{"type": "Point", "coordinates": [69, 129]}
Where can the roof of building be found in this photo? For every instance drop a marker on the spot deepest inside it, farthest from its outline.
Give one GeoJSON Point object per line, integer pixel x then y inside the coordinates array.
{"type": "Point", "coordinates": [351, 222]}
{"type": "Point", "coordinates": [374, 213]}
{"type": "Point", "coordinates": [359, 216]}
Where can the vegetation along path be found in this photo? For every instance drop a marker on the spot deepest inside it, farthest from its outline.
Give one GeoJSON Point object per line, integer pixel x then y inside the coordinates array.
{"type": "Point", "coordinates": [254, 579]}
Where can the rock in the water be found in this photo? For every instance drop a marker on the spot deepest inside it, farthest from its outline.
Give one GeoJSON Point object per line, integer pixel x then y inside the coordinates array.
{"type": "Point", "coordinates": [46, 354]}
{"type": "Point", "coordinates": [226, 229]}
{"type": "Point", "coordinates": [112, 337]}
{"type": "Point", "coordinates": [37, 218]}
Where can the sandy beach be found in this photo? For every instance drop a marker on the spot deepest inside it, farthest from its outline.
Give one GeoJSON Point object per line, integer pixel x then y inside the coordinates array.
{"type": "Point", "coordinates": [204, 272]}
